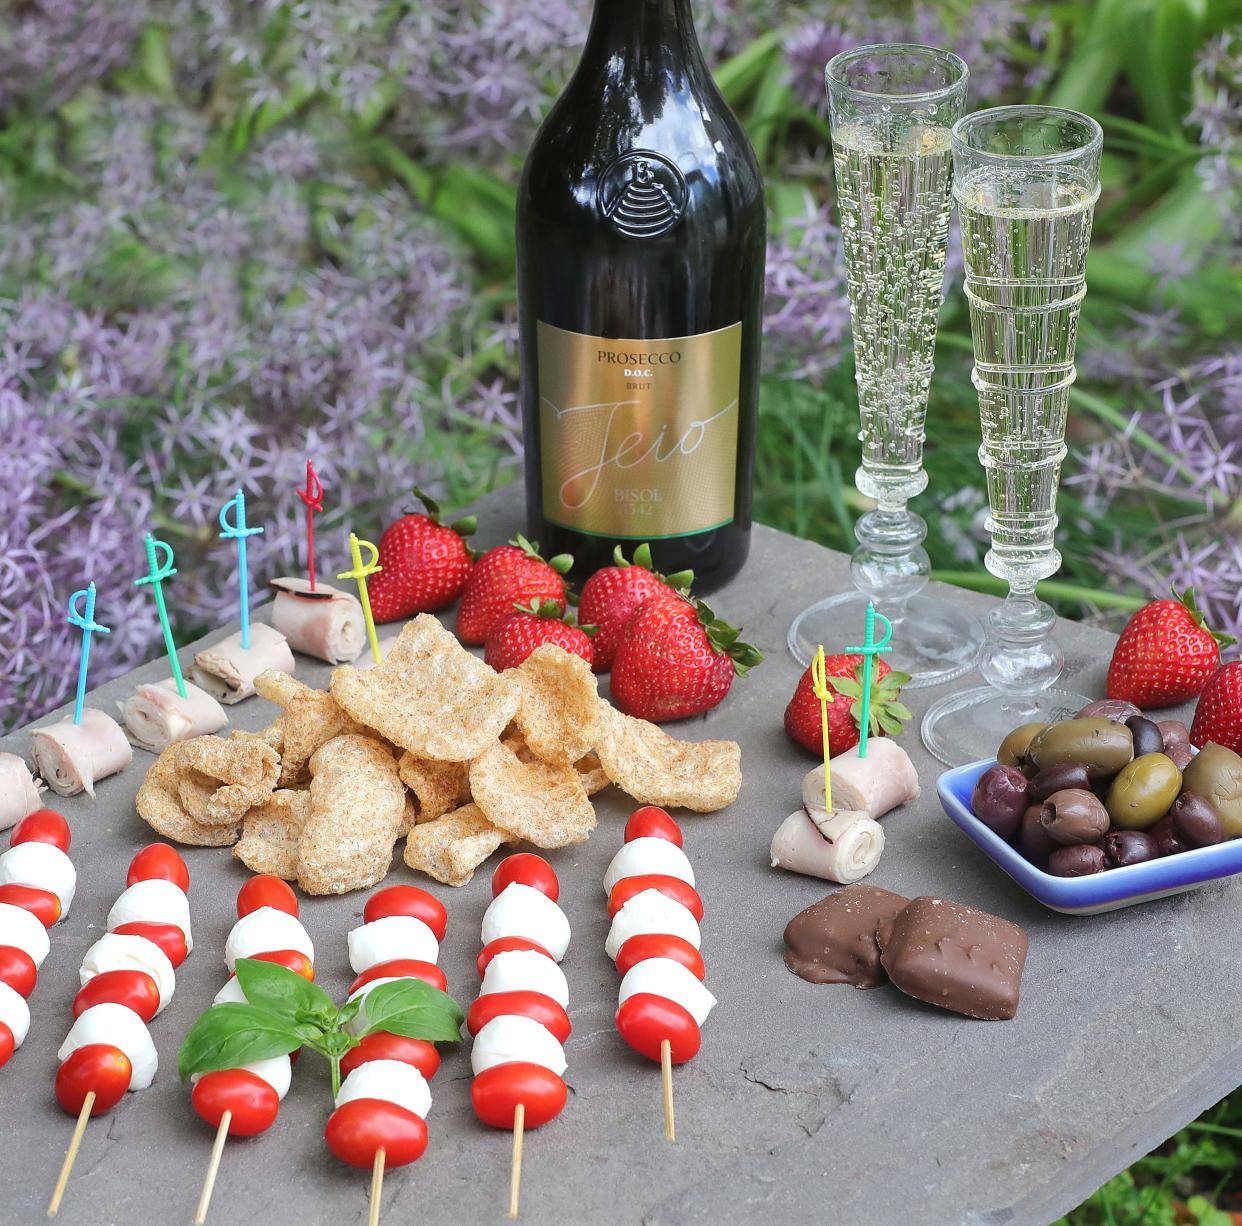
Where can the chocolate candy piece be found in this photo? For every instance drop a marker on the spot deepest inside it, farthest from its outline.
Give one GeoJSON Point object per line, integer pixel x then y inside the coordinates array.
{"type": "Point", "coordinates": [955, 957]}
{"type": "Point", "coordinates": [1124, 847]}
{"type": "Point", "coordinates": [1000, 798]}
{"type": "Point", "coordinates": [1195, 821]}
{"type": "Point", "coordinates": [1034, 842]}
{"type": "Point", "coordinates": [1082, 860]}
{"type": "Point", "coordinates": [1147, 736]}
{"type": "Point", "coordinates": [1074, 816]}
{"type": "Point", "coordinates": [834, 940]}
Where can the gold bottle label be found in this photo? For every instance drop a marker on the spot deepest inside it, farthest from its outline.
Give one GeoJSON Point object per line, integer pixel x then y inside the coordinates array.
{"type": "Point", "coordinates": [639, 437]}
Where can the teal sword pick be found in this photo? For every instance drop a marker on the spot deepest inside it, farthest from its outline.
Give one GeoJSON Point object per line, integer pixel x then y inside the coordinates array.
{"type": "Point", "coordinates": [85, 621]}
{"type": "Point", "coordinates": [157, 571]}
{"type": "Point", "coordinates": [869, 650]}
{"type": "Point", "coordinates": [237, 531]}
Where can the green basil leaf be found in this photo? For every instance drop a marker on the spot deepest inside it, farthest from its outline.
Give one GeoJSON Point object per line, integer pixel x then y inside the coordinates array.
{"type": "Point", "coordinates": [280, 990]}
{"type": "Point", "coordinates": [232, 1034]}
{"type": "Point", "coordinates": [348, 1011]}
{"type": "Point", "coordinates": [414, 1009]}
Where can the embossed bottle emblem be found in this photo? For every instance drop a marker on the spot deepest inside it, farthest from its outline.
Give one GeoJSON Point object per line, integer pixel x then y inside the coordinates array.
{"type": "Point", "coordinates": [642, 194]}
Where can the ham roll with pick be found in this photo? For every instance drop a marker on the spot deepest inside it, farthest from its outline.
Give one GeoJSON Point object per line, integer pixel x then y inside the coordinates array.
{"type": "Point", "coordinates": [156, 716]}
{"type": "Point", "coordinates": [226, 670]}
{"type": "Point", "coordinates": [72, 758]}
{"type": "Point", "coordinates": [19, 793]}
{"type": "Point", "coordinates": [325, 622]}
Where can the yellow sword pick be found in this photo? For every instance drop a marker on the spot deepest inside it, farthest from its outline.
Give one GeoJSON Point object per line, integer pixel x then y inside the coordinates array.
{"type": "Point", "coordinates": [820, 684]}
{"type": "Point", "coordinates": [360, 572]}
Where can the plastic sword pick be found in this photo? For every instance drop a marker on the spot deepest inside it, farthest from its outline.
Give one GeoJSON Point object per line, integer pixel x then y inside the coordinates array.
{"type": "Point", "coordinates": [312, 496]}
{"type": "Point", "coordinates": [820, 685]}
{"type": "Point", "coordinates": [237, 531]}
{"type": "Point", "coordinates": [158, 571]}
{"type": "Point", "coordinates": [869, 650]}
{"type": "Point", "coordinates": [85, 621]}
{"type": "Point", "coordinates": [360, 572]}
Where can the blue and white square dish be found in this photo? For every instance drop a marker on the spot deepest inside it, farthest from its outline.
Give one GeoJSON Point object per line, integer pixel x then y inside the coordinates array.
{"type": "Point", "coordinates": [1107, 891]}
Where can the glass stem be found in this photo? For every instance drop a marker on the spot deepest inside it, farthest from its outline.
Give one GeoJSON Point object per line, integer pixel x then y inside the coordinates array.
{"type": "Point", "coordinates": [890, 564]}
{"type": "Point", "coordinates": [1021, 656]}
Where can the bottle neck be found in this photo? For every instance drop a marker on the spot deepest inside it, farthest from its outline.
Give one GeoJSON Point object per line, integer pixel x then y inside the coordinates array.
{"type": "Point", "coordinates": [642, 30]}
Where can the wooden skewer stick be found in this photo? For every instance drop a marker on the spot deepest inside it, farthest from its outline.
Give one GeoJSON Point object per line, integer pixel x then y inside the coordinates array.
{"type": "Point", "coordinates": [213, 1168]}
{"type": "Point", "coordinates": [377, 1187]}
{"type": "Point", "coordinates": [515, 1175]}
{"type": "Point", "coordinates": [66, 1169]}
{"type": "Point", "coordinates": [666, 1077]}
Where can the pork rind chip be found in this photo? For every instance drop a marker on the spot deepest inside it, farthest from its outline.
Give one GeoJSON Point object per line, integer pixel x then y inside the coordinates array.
{"type": "Point", "coordinates": [219, 779]}
{"type": "Point", "coordinates": [453, 846]}
{"type": "Point", "coordinates": [270, 834]}
{"type": "Point", "coordinates": [430, 696]}
{"type": "Point", "coordinates": [559, 711]}
{"type": "Point", "coordinates": [536, 801]}
{"type": "Point", "coordinates": [310, 718]}
{"type": "Point", "coordinates": [409, 816]}
{"type": "Point", "coordinates": [439, 787]}
{"type": "Point", "coordinates": [160, 807]}
{"type": "Point", "coordinates": [656, 769]}
{"type": "Point", "coordinates": [591, 772]}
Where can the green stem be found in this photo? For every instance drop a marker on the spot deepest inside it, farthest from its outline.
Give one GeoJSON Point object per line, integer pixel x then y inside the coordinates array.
{"type": "Point", "coordinates": [335, 1063]}
{"type": "Point", "coordinates": [980, 582]}
{"type": "Point", "coordinates": [1199, 1126]}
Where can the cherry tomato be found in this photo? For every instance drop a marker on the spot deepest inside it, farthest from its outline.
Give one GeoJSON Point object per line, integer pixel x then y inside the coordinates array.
{"type": "Point", "coordinates": [252, 1101]}
{"type": "Point", "coordinates": [534, 1005]}
{"type": "Point", "coordinates": [652, 822]}
{"type": "Point", "coordinates": [355, 1130]}
{"type": "Point", "coordinates": [42, 826]}
{"type": "Point", "coordinates": [408, 900]}
{"type": "Point", "coordinates": [135, 990]}
{"type": "Point", "coordinates": [159, 862]}
{"type": "Point", "coordinates": [266, 891]}
{"type": "Point", "coordinates": [526, 868]}
{"type": "Point", "coordinates": [660, 945]}
{"type": "Point", "coordinates": [403, 968]}
{"type": "Point", "coordinates": [646, 1020]}
{"type": "Point", "coordinates": [7, 1045]}
{"type": "Point", "coordinates": [384, 1046]}
{"type": "Point", "coordinates": [496, 1092]}
{"type": "Point", "coordinates": [504, 945]}
{"type": "Point", "coordinates": [168, 937]}
{"type": "Point", "coordinates": [671, 887]}
{"type": "Point", "coordinates": [18, 970]}
{"type": "Point", "coordinates": [99, 1067]}
{"type": "Point", "coordinates": [291, 959]}
{"type": "Point", "coordinates": [42, 904]}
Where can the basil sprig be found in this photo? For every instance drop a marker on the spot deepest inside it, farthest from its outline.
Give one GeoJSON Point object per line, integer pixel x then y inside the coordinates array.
{"type": "Point", "coordinates": [285, 1011]}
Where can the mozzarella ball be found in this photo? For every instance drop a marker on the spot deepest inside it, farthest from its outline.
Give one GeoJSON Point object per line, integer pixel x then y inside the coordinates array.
{"type": "Point", "coordinates": [664, 977]}
{"type": "Point", "coordinates": [41, 865]}
{"type": "Point", "coordinates": [511, 1038]}
{"type": "Point", "coordinates": [231, 993]}
{"type": "Point", "coordinates": [651, 911]}
{"type": "Point", "coordinates": [393, 1081]}
{"type": "Point", "coordinates": [114, 952]}
{"type": "Point", "coordinates": [119, 1027]}
{"type": "Point", "coordinates": [153, 902]}
{"type": "Point", "coordinates": [20, 929]}
{"type": "Point", "coordinates": [277, 1072]}
{"type": "Point", "coordinates": [524, 970]}
{"type": "Point", "coordinates": [264, 931]}
{"type": "Point", "coordinates": [394, 936]}
{"type": "Point", "coordinates": [14, 1013]}
{"type": "Point", "coordinates": [358, 1023]}
{"type": "Point", "coordinates": [641, 857]}
{"type": "Point", "coordinates": [522, 911]}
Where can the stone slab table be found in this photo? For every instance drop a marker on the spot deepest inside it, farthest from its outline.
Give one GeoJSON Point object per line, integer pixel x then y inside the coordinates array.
{"type": "Point", "coordinates": [807, 1103]}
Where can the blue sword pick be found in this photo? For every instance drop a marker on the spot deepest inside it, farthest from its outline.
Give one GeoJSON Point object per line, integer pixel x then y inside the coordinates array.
{"type": "Point", "coordinates": [86, 622]}
{"type": "Point", "coordinates": [237, 531]}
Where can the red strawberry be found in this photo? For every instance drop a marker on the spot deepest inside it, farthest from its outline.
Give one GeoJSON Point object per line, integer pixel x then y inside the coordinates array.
{"type": "Point", "coordinates": [843, 674]}
{"type": "Point", "coordinates": [531, 626]}
{"type": "Point", "coordinates": [611, 596]}
{"type": "Point", "coordinates": [1165, 654]}
{"type": "Point", "coordinates": [1218, 717]}
{"type": "Point", "coordinates": [426, 564]}
{"type": "Point", "coordinates": [677, 659]}
{"type": "Point", "coordinates": [508, 575]}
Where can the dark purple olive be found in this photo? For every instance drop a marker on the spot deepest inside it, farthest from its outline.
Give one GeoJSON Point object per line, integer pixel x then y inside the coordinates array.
{"type": "Point", "coordinates": [1116, 709]}
{"type": "Point", "coordinates": [1059, 777]}
{"type": "Point", "coordinates": [1195, 822]}
{"type": "Point", "coordinates": [1180, 755]}
{"type": "Point", "coordinates": [1168, 841]}
{"type": "Point", "coordinates": [1000, 798]}
{"type": "Point", "coordinates": [1033, 840]}
{"type": "Point", "coordinates": [1074, 815]}
{"type": "Point", "coordinates": [1173, 732]}
{"type": "Point", "coordinates": [1147, 736]}
{"type": "Point", "coordinates": [1124, 847]}
{"type": "Point", "coordinates": [1081, 860]}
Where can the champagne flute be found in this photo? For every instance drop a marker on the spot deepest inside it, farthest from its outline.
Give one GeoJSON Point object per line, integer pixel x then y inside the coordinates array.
{"type": "Point", "coordinates": [891, 109]}
{"type": "Point", "coordinates": [1026, 179]}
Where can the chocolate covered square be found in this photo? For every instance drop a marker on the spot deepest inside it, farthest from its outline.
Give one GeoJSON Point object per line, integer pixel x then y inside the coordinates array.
{"type": "Point", "coordinates": [834, 940]}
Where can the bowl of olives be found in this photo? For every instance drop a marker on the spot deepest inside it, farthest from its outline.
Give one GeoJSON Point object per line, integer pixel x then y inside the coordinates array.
{"type": "Point", "coordinates": [1104, 810]}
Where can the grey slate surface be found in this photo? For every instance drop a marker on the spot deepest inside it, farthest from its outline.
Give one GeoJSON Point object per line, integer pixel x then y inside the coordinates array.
{"type": "Point", "coordinates": [807, 1103]}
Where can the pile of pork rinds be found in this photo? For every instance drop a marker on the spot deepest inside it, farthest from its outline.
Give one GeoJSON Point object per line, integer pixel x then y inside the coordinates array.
{"type": "Point", "coordinates": [432, 745]}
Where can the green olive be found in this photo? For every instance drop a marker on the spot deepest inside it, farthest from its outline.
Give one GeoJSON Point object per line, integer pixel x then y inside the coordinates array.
{"type": "Point", "coordinates": [1012, 751]}
{"type": "Point", "coordinates": [1215, 773]}
{"type": "Point", "coordinates": [1104, 746]}
{"type": "Point", "coordinates": [1143, 792]}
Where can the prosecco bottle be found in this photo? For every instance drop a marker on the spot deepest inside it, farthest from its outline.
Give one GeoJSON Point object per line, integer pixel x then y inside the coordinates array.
{"type": "Point", "coordinates": [640, 235]}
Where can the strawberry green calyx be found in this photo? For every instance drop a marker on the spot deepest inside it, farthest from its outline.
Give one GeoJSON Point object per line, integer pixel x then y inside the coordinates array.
{"type": "Point", "coordinates": [561, 563]}
{"type": "Point", "coordinates": [1191, 605]}
{"type": "Point", "coordinates": [466, 526]}
{"type": "Point", "coordinates": [680, 581]}
{"type": "Point", "coordinates": [888, 713]}
{"type": "Point", "coordinates": [725, 640]}
{"type": "Point", "coordinates": [549, 610]}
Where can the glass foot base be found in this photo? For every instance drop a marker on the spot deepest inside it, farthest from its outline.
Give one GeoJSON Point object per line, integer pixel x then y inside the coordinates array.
{"type": "Point", "coordinates": [935, 641]}
{"type": "Point", "coordinates": [971, 724]}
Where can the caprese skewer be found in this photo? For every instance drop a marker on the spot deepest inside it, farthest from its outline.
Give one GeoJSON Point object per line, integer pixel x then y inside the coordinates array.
{"type": "Point", "coordinates": [654, 942]}
{"type": "Point", "coordinates": [518, 1021]}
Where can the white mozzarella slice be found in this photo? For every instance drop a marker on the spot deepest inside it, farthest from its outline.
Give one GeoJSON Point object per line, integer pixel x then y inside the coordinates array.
{"type": "Point", "coordinates": [522, 911]}
{"type": "Point", "coordinates": [524, 970]}
{"type": "Point", "coordinates": [43, 866]}
{"type": "Point", "coordinates": [511, 1038]}
{"type": "Point", "coordinates": [645, 856]}
{"type": "Point", "coordinates": [114, 952]}
{"type": "Point", "coordinates": [263, 932]}
{"type": "Point", "coordinates": [153, 902]}
{"type": "Point", "coordinates": [358, 1023]}
{"type": "Point", "coordinates": [394, 936]}
{"type": "Point", "coordinates": [277, 1072]}
{"type": "Point", "coordinates": [392, 1081]}
{"type": "Point", "coordinates": [664, 977]}
{"type": "Point", "coordinates": [119, 1027]}
{"type": "Point", "coordinates": [14, 1013]}
{"type": "Point", "coordinates": [651, 911]}
{"type": "Point", "coordinates": [231, 993]}
{"type": "Point", "coordinates": [20, 929]}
